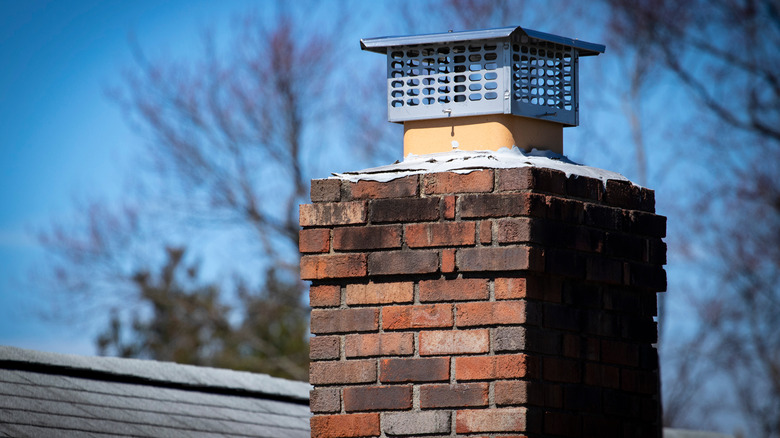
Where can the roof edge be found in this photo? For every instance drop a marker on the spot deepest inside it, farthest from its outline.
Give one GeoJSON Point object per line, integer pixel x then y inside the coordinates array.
{"type": "Point", "coordinates": [150, 372]}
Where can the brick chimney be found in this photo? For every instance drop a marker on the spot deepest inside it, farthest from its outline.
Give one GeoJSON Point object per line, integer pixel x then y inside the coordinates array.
{"type": "Point", "coordinates": [483, 293]}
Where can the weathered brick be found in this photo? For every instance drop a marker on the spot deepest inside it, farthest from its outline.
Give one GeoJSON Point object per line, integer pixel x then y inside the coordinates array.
{"type": "Point", "coordinates": [489, 313]}
{"type": "Point", "coordinates": [448, 207]}
{"type": "Point", "coordinates": [350, 371]}
{"type": "Point", "coordinates": [570, 211]}
{"type": "Point", "coordinates": [604, 270]}
{"type": "Point", "coordinates": [324, 347]}
{"type": "Point", "coordinates": [451, 182]}
{"type": "Point", "coordinates": [404, 210]}
{"type": "Point", "coordinates": [376, 398]}
{"type": "Point", "coordinates": [379, 293]}
{"type": "Point", "coordinates": [336, 213]}
{"type": "Point", "coordinates": [602, 375]}
{"type": "Point", "coordinates": [485, 232]}
{"type": "Point", "coordinates": [454, 342]}
{"type": "Point", "coordinates": [518, 178]}
{"type": "Point", "coordinates": [518, 392]}
{"type": "Point", "coordinates": [412, 370]}
{"type": "Point", "coordinates": [460, 289]}
{"type": "Point", "coordinates": [318, 267]}
{"type": "Point", "coordinates": [371, 237]}
{"type": "Point", "coordinates": [440, 234]}
{"type": "Point", "coordinates": [447, 260]}
{"type": "Point", "coordinates": [325, 296]}
{"type": "Point", "coordinates": [513, 230]}
{"type": "Point", "coordinates": [562, 370]}
{"type": "Point", "coordinates": [509, 288]}
{"type": "Point", "coordinates": [314, 240]}
{"type": "Point", "coordinates": [506, 366]}
{"type": "Point", "coordinates": [453, 396]}
{"type": "Point", "coordinates": [379, 344]}
{"type": "Point", "coordinates": [417, 316]}
{"type": "Point", "coordinates": [622, 194]}
{"type": "Point", "coordinates": [567, 263]}
{"type": "Point", "coordinates": [509, 339]}
{"type": "Point", "coordinates": [583, 187]}
{"type": "Point", "coordinates": [491, 420]}
{"type": "Point", "coordinates": [403, 262]}
{"type": "Point", "coordinates": [647, 224]}
{"type": "Point", "coordinates": [416, 423]}
{"type": "Point", "coordinates": [325, 400]}
{"type": "Point", "coordinates": [493, 205]}
{"type": "Point", "coordinates": [325, 321]}
{"type": "Point", "coordinates": [397, 188]}
{"type": "Point", "coordinates": [600, 216]}
{"type": "Point", "coordinates": [325, 190]}
{"type": "Point", "coordinates": [513, 258]}
{"type": "Point", "coordinates": [625, 246]}
{"type": "Point", "coordinates": [345, 425]}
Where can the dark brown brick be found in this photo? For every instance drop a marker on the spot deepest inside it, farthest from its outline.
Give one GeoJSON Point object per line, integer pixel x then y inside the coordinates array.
{"type": "Point", "coordinates": [325, 321]}
{"type": "Point", "coordinates": [433, 369]}
{"type": "Point", "coordinates": [622, 194]}
{"type": "Point", "coordinates": [647, 277]}
{"type": "Point", "coordinates": [562, 424]}
{"type": "Point", "coordinates": [350, 371]}
{"type": "Point", "coordinates": [451, 182]}
{"type": "Point", "coordinates": [324, 347]}
{"type": "Point", "coordinates": [377, 398]}
{"type": "Point", "coordinates": [325, 296]}
{"type": "Point", "coordinates": [496, 205]}
{"type": "Point", "coordinates": [404, 210]}
{"type": "Point", "coordinates": [583, 187]}
{"type": "Point", "coordinates": [440, 234]}
{"type": "Point", "coordinates": [567, 263]}
{"type": "Point", "coordinates": [398, 188]}
{"type": "Point", "coordinates": [329, 214]}
{"type": "Point", "coordinates": [314, 240]}
{"type": "Point", "coordinates": [453, 396]}
{"type": "Point", "coordinates": [403, 262]}
{"type": "Point", "coordinates": [325, 400]}
{"type": "Point", "coordinates": [647, 224]}
{"type": "Point", "coordinates": [318, 267]}
{"type": "Point", "coordinates": [518, 178]}
{"type": "Point", "coordinates": [499, 259]}
{"type": "Point", "coordinates": [371, 237]}
{"type": "Point", "coordinates": [459, 289]}
{"type": "Point", "coordinates": [325, 190]}
{"type": "Point", "coordinates": [561, 370]}
{"type": "Point", "coordinates": [603, 269]}
{"type": "Point", "coordinates": [619, 353]}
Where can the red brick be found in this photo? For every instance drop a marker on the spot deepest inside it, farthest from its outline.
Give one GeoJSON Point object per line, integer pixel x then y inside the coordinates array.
{"type": "Point", "coordinates": [371, 237]}
{"type": "Point", "coordinates": [344, 320]}
{"type": "Point", "coordinates": [397, 188]}
{"type": "Point", "coordinates": [403, 262]}
{"type": "Point", "coordinates": [562, 370]}
{"type": "Point", "coordinates": [485, 232]}
{"type": "Point", "coordinates": [325, 296]}
{"type": "Point", "coordinates": [379, 293]}
{"type": "Point", "coordinates": [453, 396]}
{"type": "Point", "coordinates": [377, 398]}
{"type": "Point", "coordinates": [508, 288]}
{"type": "Point", "coordinates": [447, 260]}
{"type": "Point", "coordinates": [460, 289]}
{"type": "Point", "coordinates": [448, 207]}
{"type": "Point", "coordinates": [324, 347]}
{"type": "Point", "coordinates": [336, 213]}
{"type": "Point", "coordinates": [518, 392]}
{"type": "Point", "coordinates": [491, 420]}
{"type": "Point", "coordinates": [489, 313]}
{"type": "Point", "coordinates": [350, 371]}
{"type": "Point", "coordinates": [434, 343]}
{"type": "Point", "coordinates": [325, 190]}
{"type": "Point", "coordinates": [344, 426]}
{"type": "Point", "coordinates": [502, 205]}
{"type": "Point", "coordinates": [314, 240]}
{"type": "Point", "coordinates": [318, 267]}
{"type": "Point", "coordinates": [325, 400]}
{"type": "Point", "coordinates": [506, 366]}
{"type": "Point", "coordinates": [451, 182]}
{"type": "Point", "coordinates": [513, 258]}
{"type": "Point", "coordinates": [404, 210]}
{"type": "Point", "coordinates": [417, 316]}
{"type": "Point", "coordinates": [379, 344]}
{"type": "Point", "coordinates": [431, 369]}
{"type": "Point", "coordinates": [440, 234]}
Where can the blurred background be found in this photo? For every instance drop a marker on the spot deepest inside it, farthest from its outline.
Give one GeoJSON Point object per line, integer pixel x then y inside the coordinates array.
{"type": "Point", "coordinates": [153, 155]}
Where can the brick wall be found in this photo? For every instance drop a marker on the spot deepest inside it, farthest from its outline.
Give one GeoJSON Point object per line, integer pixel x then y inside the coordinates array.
{"type": "Point", "coordinates": [498, 303]}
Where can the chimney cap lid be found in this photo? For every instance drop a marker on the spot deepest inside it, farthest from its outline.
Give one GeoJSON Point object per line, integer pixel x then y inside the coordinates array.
{"type": "Point", "coordinates": [381, 44]}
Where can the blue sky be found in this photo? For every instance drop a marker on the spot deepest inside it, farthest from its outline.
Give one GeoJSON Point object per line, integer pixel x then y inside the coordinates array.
{"type": "Point", "coordinates": [61, 139]}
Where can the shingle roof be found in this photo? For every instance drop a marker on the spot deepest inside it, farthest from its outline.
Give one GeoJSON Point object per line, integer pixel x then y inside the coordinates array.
{"type": "Point", "coordinates": [47, 395]}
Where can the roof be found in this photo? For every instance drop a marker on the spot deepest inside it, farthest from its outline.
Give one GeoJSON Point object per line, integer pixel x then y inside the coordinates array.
{"type": "Point", "coordinates": [47, 395]}
{"type": "Point", "coordinates": [381, 44]}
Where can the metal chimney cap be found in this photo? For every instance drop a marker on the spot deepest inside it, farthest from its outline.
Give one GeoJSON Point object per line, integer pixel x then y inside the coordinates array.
{"type": "Point", "coordinates": [381, 44]}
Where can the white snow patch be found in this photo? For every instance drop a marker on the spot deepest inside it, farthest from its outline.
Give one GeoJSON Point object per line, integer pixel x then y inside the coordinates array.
{"type": "Point", "coordinates": [459, 161]}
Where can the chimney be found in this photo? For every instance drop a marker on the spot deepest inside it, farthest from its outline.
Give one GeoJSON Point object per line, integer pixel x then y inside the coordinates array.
{"type": "Point", "coordinates": [483, 294]}
{"type": "Point", "coordinates": [483, 89]}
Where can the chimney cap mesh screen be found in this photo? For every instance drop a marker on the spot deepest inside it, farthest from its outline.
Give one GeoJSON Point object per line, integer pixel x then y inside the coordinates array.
{"type": "Point", "coordinates": [496, 71]}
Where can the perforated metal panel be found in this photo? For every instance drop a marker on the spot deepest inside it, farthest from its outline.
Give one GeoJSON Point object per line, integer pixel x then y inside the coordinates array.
{"type": "Point", "coordinates": [507, 71]}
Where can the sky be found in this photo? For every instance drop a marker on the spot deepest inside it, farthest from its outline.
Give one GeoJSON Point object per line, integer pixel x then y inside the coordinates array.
{"type": "Point", "coordinates": [61, 139]}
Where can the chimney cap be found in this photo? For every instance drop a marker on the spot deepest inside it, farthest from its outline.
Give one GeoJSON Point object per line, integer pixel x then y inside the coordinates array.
{"type": "Point", "coordinates": [381, 44]}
